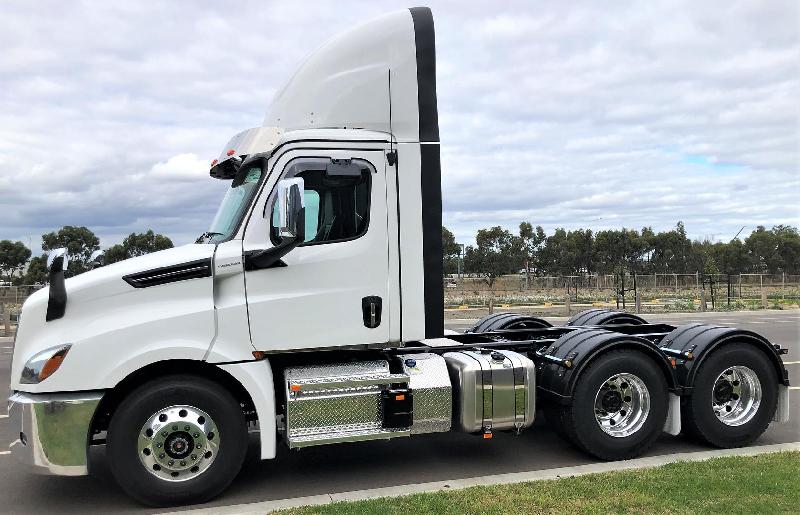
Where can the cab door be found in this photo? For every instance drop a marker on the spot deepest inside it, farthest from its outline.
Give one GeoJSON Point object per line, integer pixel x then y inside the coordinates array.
{"type": "Point", "coordinates": [332, 290]}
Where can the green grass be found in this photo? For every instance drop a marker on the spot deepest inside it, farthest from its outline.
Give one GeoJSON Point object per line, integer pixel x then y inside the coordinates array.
{"type": "Point", "coordinates": [760, 484]}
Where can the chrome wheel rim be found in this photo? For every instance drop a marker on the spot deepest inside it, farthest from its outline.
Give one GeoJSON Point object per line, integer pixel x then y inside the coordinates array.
{"type": "Point", "coordinates": [736, 395]}
{"type": "Point", "coordinates": [621, 405]}
{"type": "Point", "coordinates": [178, 443]}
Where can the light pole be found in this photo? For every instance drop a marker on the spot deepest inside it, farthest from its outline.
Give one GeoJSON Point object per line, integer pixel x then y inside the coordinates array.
{"type": "Point", "coordinates": [461, 261]}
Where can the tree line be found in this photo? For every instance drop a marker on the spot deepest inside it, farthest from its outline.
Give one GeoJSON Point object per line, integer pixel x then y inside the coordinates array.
{"type": "Point", "coordinates": [498, 251]}
{"type": "Point", "coordinates": [18, 267]}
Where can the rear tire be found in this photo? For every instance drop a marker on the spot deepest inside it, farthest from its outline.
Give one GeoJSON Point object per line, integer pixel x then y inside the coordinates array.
{"type": "Point", "coordinates": [734, 397]}
{"type": "Point", "coordinates": [179, 408]}
{"type": "Point", "coordinates": [618, 409]}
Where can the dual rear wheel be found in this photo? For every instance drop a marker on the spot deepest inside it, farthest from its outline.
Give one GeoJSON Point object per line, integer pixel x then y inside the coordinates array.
{"type": "Point", "coordinates": [620, 402]}
{"type": "Point", "coordinates": [619, 406]}
{"type": "Point", "coordinates": [733, 398]}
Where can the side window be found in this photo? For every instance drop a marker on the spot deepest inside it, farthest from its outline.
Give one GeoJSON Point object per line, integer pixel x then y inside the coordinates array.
{"type": "Point", "coordinates": [337, 207]}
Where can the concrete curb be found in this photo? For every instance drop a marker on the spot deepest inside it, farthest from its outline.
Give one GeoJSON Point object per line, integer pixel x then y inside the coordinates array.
{"type": "Point", "coordinates": [261, 508]}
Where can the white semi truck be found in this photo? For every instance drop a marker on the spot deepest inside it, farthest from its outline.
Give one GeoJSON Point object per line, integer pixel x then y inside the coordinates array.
{"type": "Point", "coordinates": [312, 313]}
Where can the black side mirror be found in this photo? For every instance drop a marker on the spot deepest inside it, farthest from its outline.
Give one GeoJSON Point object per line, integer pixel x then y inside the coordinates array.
{"type": "Point", "coordinates": [57, 262]}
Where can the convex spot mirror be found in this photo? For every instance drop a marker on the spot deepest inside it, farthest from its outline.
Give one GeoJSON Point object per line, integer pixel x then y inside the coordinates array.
{"type": "Point", "coordinates": [291, 209]}
{"type": "Point", "coordinates": [58, 259]}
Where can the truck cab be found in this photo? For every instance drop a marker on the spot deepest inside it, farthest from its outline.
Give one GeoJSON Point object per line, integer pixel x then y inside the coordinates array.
{"type": "Point", "coordinates": [311, 311]}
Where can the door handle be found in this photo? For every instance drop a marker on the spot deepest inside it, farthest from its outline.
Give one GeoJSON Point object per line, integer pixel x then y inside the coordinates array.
{"type": "Point", "coordinates": [371, 307]}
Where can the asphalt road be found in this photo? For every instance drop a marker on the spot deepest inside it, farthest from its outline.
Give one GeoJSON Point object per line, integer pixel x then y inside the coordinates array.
{"type": "Point", "coordinates": [357, 466]}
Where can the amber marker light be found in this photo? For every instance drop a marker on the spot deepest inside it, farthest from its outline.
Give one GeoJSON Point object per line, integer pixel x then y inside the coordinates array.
{"type": "Point", "coordinates": [52, 364]}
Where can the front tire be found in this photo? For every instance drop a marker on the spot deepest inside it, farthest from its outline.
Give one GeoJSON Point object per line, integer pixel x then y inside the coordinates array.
{"type": "Point", "coordinates": [734, 397]}
{"type": "Point", "coordinates": [619, 406]}
{"type": "Point", "coordinates": [177, 440]}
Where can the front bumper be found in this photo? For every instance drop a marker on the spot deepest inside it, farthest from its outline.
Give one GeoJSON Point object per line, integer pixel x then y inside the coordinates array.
{"type": "Point", "coordinates": [53, 431]}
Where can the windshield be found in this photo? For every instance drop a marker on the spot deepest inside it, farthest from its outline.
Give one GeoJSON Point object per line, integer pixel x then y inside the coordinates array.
{"type": "Point", "coordinates": [234, 205]}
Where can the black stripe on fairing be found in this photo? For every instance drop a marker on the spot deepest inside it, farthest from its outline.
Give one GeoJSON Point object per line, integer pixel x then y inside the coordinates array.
{"type": "Point", "coordinates": [425, 40]}
{"type": "Point", "coordinates": [430, 172]}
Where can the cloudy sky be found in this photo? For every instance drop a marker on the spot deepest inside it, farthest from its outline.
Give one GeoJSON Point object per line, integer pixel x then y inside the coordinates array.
{"type": "Point", "coordinates": [572, 114]}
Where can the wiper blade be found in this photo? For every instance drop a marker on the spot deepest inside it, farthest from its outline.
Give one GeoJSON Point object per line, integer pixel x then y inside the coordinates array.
{"type": "Point", "coordinates": [206, 236]}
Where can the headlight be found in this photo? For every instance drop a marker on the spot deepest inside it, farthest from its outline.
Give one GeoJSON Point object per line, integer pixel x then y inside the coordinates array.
{"type": "Point", "coordinates": [44, 364]}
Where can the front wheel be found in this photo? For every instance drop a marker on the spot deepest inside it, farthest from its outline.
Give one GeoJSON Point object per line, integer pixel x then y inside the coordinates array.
{"type": "Point", "coordinates": [618, 408]}
{"type": "Point", "coordinates": [176, 440]}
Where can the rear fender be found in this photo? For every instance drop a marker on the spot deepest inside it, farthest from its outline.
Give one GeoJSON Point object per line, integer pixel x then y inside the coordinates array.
{"type": "Point", "coordinates": [557, 382]}
{"type": "Point", "coordinates": [701, 340]}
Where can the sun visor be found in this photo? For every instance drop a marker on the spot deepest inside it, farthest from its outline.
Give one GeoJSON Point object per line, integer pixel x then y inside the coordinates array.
{"type": "Point", "coordinates": [245, 143]}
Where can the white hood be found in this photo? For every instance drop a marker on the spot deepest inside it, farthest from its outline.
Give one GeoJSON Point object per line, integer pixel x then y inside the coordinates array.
{"type": "Point", "coordinates": [108, 319]}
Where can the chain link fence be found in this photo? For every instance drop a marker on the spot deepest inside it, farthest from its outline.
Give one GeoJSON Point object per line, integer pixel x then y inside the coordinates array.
{"type": "Point", "coordinates": [11, 300]}
{"type": "Point", "coordinates": [642, 292]}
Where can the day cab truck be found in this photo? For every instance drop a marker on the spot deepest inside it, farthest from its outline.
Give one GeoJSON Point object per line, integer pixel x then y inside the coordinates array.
{"type": "Point", "coordinates": [311, 312]}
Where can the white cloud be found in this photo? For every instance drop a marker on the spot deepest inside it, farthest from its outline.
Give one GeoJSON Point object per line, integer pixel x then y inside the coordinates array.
{"type": "Point", "coordinates": [183, 167]}
{"type": "Point", "coordinates": [565, 114]}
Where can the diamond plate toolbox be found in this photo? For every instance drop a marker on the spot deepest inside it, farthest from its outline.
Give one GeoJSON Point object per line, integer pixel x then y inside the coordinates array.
{"type": "Point", "coordinates": [429, 380]}
{"type": "Point", "coordinates": [338, 402]}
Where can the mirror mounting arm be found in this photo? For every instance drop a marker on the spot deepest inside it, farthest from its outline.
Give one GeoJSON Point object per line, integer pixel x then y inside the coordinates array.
{"type": "Point", "coordinates": [271, 257]}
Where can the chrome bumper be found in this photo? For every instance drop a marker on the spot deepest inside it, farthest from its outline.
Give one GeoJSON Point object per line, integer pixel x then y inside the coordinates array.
{"type": "Point", "coordinates": [53, 431]}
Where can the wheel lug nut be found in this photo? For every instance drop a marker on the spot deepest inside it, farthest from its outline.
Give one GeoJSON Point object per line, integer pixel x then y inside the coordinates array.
{"type": "Point", "coordinates": [161, 456]}
{"type": "Point", "coordinates": [199, 446]}
{"type": "Point", "coordinates": [183, 464]}
{"type": "Point", "coordinates": [170, 463]}
{"type": "Point", "coordinates": [158, 444]}
{"type": "Point", "coordinates": [186, 428]}
{"type": "Point", "coordinates": [194, 457]}
{"type": "Point", "coordinates": [196, 435]}
{"type": "Point", "coordinates": [174, 428]}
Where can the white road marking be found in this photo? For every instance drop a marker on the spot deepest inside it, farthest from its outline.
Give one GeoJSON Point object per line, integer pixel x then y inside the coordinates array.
{"type": "Point", "coordinates": [791, 362]}
{"type": "Point", "coordinates": [3, 416]}
{"type": "Point", "coordinates": [498, 479]}
{"type": "Point", "coordinates": [794, 387]}
{"type": "Point", "coordinates": [5, 452]}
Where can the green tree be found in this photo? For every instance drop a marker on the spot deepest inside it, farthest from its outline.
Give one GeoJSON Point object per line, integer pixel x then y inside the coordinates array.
{"type": "Point", "coordinates": [80, 242]}
{"type": "Point", "coordinates": [731, 257]}
{"type": "Point", "coordinates": [13, 256]}
{"type": "Point", "coordinates": [529, 243]}
{"type": "Point", "coordinates": [451, 251]}
{"type": "Point", "coordinates": [36, 272]}
{"type": "Point", "coordinates": [788, 248]}
{"type": "Point", "coordinates": [619, 250]}
{"type": "Point", "coordinates": [552, 256]}
{"type": "Point", "coordinates": [492, 256]}
{"type": "Point", "coordinates": [581, 247]}
{"type": "Point", "coordinates": [136, 245]}
{"type": "Point", "coordinates": [670, 251]}
{"type": "Point", "coordinates": [762, 248]}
